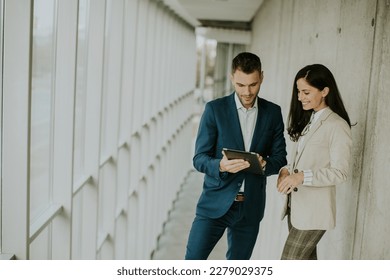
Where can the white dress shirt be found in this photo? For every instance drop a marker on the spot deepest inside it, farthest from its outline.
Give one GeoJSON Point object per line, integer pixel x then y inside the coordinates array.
{"type": "Point", "coordinates": [247, 119]}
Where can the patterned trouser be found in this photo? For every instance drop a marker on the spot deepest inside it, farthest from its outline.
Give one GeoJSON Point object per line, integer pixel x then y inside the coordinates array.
{"type": "Point", "coordinates": [301, 244]}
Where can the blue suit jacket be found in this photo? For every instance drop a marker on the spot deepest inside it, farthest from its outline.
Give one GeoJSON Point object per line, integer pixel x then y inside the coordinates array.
{"type": "Point", "coordinates": [220, 128]}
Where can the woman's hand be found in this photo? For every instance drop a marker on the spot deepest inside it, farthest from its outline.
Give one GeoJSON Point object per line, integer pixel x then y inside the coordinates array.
{"type": "Point", "coordinates": [282, 175]}
{"type": "Point", "coordinates": [287, 183]}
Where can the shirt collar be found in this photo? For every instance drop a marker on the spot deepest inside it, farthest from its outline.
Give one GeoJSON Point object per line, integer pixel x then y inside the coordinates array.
{"type": "Point", "coordinates": [318, 114]}
{"type": "Point", "coordinates": [239, 104]}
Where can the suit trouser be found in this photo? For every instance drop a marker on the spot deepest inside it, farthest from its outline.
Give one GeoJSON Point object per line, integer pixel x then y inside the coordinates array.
{"type": "Point", "coordinates": [206, 232]}
{"type": "Point", "coordinates": [301, 244]}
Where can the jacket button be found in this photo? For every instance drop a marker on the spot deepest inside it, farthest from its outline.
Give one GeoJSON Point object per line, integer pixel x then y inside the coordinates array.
{"type": "Point", "coordinates": [239, 184]}
{"type": "Point", "coordinates": [295, 189]}
{"type": "Point", "coordinates": [296, 171]}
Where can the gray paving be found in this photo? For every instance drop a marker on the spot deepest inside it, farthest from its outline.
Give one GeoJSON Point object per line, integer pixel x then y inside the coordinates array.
{"type": "Point", "coordinates": [172, 242]}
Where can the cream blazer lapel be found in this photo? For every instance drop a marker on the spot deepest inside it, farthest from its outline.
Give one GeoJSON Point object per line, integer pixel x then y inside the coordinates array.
{"type": "Point", "coordinates": [314, 127]}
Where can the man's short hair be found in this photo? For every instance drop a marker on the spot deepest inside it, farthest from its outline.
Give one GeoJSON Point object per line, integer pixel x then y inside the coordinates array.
{"type": "Point", "coordinates": [246, 62]}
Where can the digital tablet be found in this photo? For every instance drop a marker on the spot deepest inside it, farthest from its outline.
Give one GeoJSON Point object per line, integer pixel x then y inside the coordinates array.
{"type": "Point", "coordinates": [251, 157]}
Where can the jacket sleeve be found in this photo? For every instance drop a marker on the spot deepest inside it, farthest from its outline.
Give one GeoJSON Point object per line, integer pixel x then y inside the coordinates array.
{"type": "Point", "coordinates": [205, 160]}
{"type": "Point", "coordinates": [339, 145]}
{"type": "Point", "coordinates": [277, 157]}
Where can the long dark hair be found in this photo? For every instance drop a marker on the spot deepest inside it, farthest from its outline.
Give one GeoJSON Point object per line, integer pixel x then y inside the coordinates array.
{"type": "Point", "coordinates": [318, 76]}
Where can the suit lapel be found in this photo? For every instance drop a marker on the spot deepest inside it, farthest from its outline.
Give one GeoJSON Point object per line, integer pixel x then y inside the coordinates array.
{"type": "Point", "coordinates": [312, 131]}
{"type": "Point", "coordinates": [260, 123]}
{"type": "Point", "coordinates": [235, 123]}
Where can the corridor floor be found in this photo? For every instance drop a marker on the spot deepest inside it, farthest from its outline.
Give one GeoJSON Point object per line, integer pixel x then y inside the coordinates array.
{"type": "Point", "coordinates": [172, 242]}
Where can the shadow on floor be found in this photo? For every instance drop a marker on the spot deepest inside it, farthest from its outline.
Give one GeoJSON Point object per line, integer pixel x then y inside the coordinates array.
{"type": "Point", "coordinates": [173, 239]}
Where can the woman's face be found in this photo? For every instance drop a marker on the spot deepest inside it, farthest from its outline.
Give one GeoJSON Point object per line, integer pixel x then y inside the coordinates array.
{"type": "Point", "coordinates": [311, 97]}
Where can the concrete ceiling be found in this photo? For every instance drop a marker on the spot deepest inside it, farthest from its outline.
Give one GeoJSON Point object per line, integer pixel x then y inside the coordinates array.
{"type": "Point", "coordinates": [232, 14]}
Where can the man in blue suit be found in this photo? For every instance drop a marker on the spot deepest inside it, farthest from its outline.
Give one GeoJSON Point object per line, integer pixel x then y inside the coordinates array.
{"type": "Point", "coordinates": [233, 198]}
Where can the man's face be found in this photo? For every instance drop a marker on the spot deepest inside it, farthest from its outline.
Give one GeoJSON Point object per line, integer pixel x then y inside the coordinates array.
{"type": "Point", "coordinates": [247, 86]}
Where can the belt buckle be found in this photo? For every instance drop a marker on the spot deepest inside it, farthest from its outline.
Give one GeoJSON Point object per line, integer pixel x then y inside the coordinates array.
{"type": "Point", "coordinates": [240, 197]}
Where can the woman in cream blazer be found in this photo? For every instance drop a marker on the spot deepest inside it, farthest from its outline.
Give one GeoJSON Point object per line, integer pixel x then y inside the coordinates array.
{"type": "Point", "coordinates": [320, 128]}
